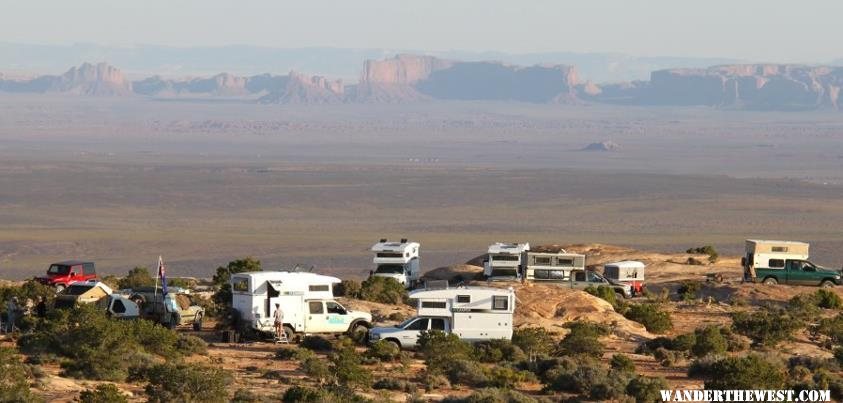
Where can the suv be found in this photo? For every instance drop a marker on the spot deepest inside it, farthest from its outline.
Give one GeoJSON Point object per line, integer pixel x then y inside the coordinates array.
{"type": "Point", "coordinates": [62, 274]}
{"type": "Point", "coordinates": [173, 310]}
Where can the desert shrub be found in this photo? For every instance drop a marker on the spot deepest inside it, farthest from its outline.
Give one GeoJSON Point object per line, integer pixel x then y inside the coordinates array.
{"type": "Point", "coordinates": [14, 378]}
{"type": "Point", "coordinates": [534, 341]}
{"type": "Point", "coordinates": [507, 377]}
{"type": "Point", "coordinates": [548, 369]}
{"type": "Point", "coordinates": [649, 346]}
{"type": "Point", "coordinates": [703, 367]}
{"type": "Point", "coordinates": [432, 381]}
{"type": "Point", "coordinates": [750, 372]}
{"type": "Point", "coordinates": [622, 363]}
{"type": "Point", "coordinates": [392, 384]}
{"type": "Point", "coordinates": [651, 315]}
{"type": "Point", "coordinates": [396, 317]}
{"type": "Point", "coordinates": [136, 278]}
{"type": "Point", "coordinates": [767, 327]}
{"type": "Point", "coordinates": [191, 345]}
{"type": "Point", "coordinates": [303, 394]}
{"type": "Point", "coordinates": [606, 293]}
{"type": "Point", "coordinates": [492, 395]}
{"type": "Point", "coordinates": [222, 296]}
{"type": "Point", "coordinates": [583, 339]}
{"type": "Point", "coordinates": [585, 376]}
{"type": "Point", "coordinates": [646, 390]}
{"type": "Point", "coordinates": [667, 358]}
{"type": "Point", "coordinates": [821, 298]}
{"type": "Point", "coordinates": [497, 351]}
{"type": "Point", "coordinates": [709, 340]}
{"type": "Point", "coordinates": [689, 290]}
{"type": "Point", "coordinates": [244, 395]}
{"type": "Point", "coordinates": [316, 368]}
{"type": "Point", "coordinates": [384, 351]}
{"type": "Point", "coordinates": [347, 288]}
{"type": "Point", "coordinates": [316, 343]}
{"type": "Point", "coordinates": [104, 393]}
{"type": "Point", "coordinates": [827, 299]}
{"type": "Point", "coordinates": [382, 289]}
{"type": "Point", "coordinates": [187, 383]}
{"type": "Point", "coordinates": [439, 349]}
{"type": "Point", "coordinates": [466, 372]}
{"type": "Point", "coordinates": [705, 250]}
{"type": "Point", "coordinates": [347, 368]}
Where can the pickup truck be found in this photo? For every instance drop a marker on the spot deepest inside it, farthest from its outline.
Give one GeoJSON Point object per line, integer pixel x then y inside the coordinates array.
{"type": "Point", "coordinates": [582, 279]}
{"type": "Point", "coordinates": [799, 272]}
{"type": "Point", "coordinates": [406, 334]}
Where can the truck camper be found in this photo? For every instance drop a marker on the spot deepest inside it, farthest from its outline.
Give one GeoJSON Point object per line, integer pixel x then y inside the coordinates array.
{"type": "Point", "coordinates": [397, 260]}
{"type": "Point", "coordinates": [785, 262]}
{"type": "Point", "coordinates": [505, 261]}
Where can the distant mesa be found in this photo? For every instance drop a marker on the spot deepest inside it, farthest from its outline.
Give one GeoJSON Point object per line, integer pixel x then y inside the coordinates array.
{"type": "Point", "coordinates": [602, 146]}
{"type": "Point", "coordinates": [88, 79]}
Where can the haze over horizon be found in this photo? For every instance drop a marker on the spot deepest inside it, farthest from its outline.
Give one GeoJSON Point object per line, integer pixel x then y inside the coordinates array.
{"type": "Point", "coordinates": [678, 29]}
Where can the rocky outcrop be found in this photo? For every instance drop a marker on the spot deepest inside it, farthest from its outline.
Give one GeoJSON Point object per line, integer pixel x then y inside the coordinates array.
{"type": "Point", "coordinates": [747, 86]}
{"type": "Point", "coordinates": [88, 79]}
{"type": "Point", "coordinates": [602, 146]}
{"type": "Point", "coordinates": [306, 89]}
{"type": "Point", "coordinates": [223, 84]}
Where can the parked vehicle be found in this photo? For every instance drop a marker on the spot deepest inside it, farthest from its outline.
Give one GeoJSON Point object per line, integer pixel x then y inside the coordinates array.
{"type": "Point", "coordinates": [397, 260]}
{"type": "Point", "coordinates": [505, 261]}
{"type": "Point", "coordinates": [172, 309]}
{"type": "Point", "coordinates": [306, 299]}
{"type": "Point", "coordinates": [552, 266]}
{"type": "Point", "coordinates": [626, 272]}
{"type": "Point", "coordinates": [94, 292]}
{"type": "Point", "coordinates": [472, 313]}
{"type": "Point", "coordinates": [582, 279]}
{"type": "Point", "coordinates": [62, 274]}
{"type": "Point", "coordinates": [785, 262]}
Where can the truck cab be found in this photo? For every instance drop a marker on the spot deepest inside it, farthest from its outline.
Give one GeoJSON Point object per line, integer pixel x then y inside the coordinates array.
{"type": "Point", "coordinates": [406, 334]}
{"type": "Point", "coordinates": [62, 274]}
{"type": "Point", "coordinates": [397, 260]}
{"type": "Point", "coordinates": [800, 272]}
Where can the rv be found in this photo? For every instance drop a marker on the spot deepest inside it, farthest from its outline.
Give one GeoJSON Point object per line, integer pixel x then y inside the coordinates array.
{"type": "Point", "coordinates": [505, 261]}
{"type": "Point", "coordinates": [626, 272]}
{"type": "Point", "coordinates": [472, 313]}
{"type": "Point", "coordinates": [397, 260]}
{"type": "Point", "coordinates": [552, 266]}
{"type": "Point", "coordinates": [784, 262]}
{"type": "Point", "coordinates": [306, 299]}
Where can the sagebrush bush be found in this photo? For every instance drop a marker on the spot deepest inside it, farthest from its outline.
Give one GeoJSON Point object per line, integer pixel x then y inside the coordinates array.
{"type": "Point", "coordinates": [440, 349]}
{"type": "Point", "coordinates": [492, 395]}
{"type": "Point", "coordinates": [767, 327]}
{"type": "Point", "coordinates": [316, 343]}
{"type": "Point", "coordinates": [316, 368]}
{"type": "Point", "coordinates": [583, 339]}
{"type": "Point", "coordinates": [103, 393]}
{"type": "Point", "coordinates": [709, 340]}
{"type": "Point", "coordinates": [622, 363]}
{"type": "Point", "coordinates": [393, 384]}
{"type": "Point", "coordinates": [382, 289]}
{"type": "Point", "coordinates": [187, 383]}
{"type": "Point", "coordinates": [384, 351]}
{"type": "Point", "coordinates": [646, 390]}
{"type": "Point", "coordinates": [14, 378]}
{"type": "Point", "coordinates": [495, 351]}
{"type": "Point", "coordinates": [606, 293]}
{"type": "Point", "coordinates": [689, 290]}
{"type": "Point", "coordinates": [651, 315]}
{"type": "Point", "coordinates": [749, 372]}
{"type": "Point", "coordinates": [347, 288]}
{"type": "Point", "coordinates": [709, 250]}
{"type": "Point", "coordinates": [534, 341]}
{"type": "Point", "coordinates": [244, 395]}
{"type": "Point", "coordinates": [347, 369]}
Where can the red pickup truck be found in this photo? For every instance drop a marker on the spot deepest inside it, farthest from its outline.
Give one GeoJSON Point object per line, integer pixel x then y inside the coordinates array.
{"type": "Point", "coordinates": [63, 274]}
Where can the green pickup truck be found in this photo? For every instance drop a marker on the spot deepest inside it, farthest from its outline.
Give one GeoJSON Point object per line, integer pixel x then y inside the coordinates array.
{"type": "Point", "coordinates": [799, 272]}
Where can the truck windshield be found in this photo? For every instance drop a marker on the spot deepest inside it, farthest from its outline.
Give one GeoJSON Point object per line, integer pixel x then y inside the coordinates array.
{"type": "Point", "coordinates": [58, 269]}
{"type": "Point", "coordinates": [390, 269]}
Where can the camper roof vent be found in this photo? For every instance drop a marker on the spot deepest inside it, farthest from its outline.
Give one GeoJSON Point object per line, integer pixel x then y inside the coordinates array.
{"type": "Point", "coordinates": [436, 284]}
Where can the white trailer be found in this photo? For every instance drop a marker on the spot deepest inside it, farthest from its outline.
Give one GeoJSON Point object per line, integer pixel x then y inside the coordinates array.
{"type": "Point", "coordinates": [557, 266]}
{"type": "Point", "coordinates": [472, 313]}
{"type": "Point", "coordinates": [397, 260]}
{"type": "Point", "coordinates": [629, 272]}
{"type": "Point", "coordinates": [505, 261]}
{"type": "Point", "coordinates": [306, 299]}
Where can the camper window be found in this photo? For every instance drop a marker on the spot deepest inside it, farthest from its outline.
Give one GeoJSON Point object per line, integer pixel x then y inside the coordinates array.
{"type": "Point", "coordinates": [565, 262]}
{"type": "Point", "coordinates": [541, 260]}
{"type": "Point", "coordinates": [500, 302]}
{"type": "Point", "coordinates": [240, 284]}
{"type": "Point", "coordinates": [463, 299]}
{"type": "Point", "coordinates": [434, 304]}
{"type": "Point", "coordinates": [323, 287]}
{"type": "Point", "coordinates": [335, 308]}
{"type": "Point", "coordinates": [420, 324]}
{"type": "Point", "coordinates": [776, 263]}
{"type": "Point", "coordinates": [782, 249]}
{"type": "Point", "coordinates": [390, 254]}
{"type": "Point", "coordinates": [437, 324]}
{"type": "Point", "coordinates": [118, 306]}
{"type": "Point", "coordinates": [315, 307]}
{"type": "Point", "coordinates": [579, 276]}
{"type": "Point", "coordinates": [506, 258]}
{"type": "Point", "coordinates": [390, 269]}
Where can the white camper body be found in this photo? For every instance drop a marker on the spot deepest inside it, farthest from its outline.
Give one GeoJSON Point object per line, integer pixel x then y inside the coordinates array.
{"type": "Point", "coordinates": [306, 299]}
{"type": "Point", "coordinates": [397, 260]}
{"type": "Point", "coordinates": [760, 252]}
{"type": "Point", "coordinates": [505, 261]}
{"type": "Point", "coordinates": [626, 271]}
{"type": "Point", "coordinates": [472, 313]}
{"type": "Point", "coordinates": [95, 292]}
{"type": "Point", "coordinates": [553, 266]}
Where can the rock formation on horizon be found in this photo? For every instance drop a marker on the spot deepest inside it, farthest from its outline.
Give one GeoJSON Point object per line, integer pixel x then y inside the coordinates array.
{"type": "Point", "coordinates": [602, 146]}
{"type": "Point", "coordinates": [101, 79]}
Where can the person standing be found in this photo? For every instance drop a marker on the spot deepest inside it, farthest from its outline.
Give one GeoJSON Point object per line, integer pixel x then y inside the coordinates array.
{"type": "Point", "coordinates": [11, 314]}
{"type": "Point", "coordinates": [279, 321]}
{"type": "Point", "coordinates": [41, 308]}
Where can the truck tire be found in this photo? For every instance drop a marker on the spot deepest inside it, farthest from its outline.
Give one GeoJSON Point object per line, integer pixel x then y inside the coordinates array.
{"type": "Point", "coordinates": [358, 332]}
{"type": "Point", "coordinates": [197, 322]}
{"type": "Point", "coordinates": [59, 288]}
{"type": "Point", "coordinates": [394, 342]}
{"type": "Point", "coordinates": [770, 281]}
{"type": "Point", "coordinates": [827, 284]}
{"type": "Point", "coordinates": [291, 334]}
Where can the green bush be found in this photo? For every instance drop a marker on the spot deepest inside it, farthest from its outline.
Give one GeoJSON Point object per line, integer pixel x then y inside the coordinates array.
{"type": "Point", "coordinates": [622, 363]}
{"type": "Point", "coordinates": [382, 289]}
{"type": "Point", "coordinates": [302, 394]}
{"type": "Point", "coordinates": [750, 372]}
{"type": "Point", "coordinates": [14, 378]}
{"type": "Point", "coordinates": [440, 349]}
{"type": "Point", "coordinates": [689, 290]}
{"type": "Point", "coordinates": [316, 368]}
{"type": "Point", "coordinates": [705, 250]}
{"type": "Point", "coordinates": [492, 395]}
{"type": "Point", "coordinates": [316, 343]}
{"type": "Point", "coordinates": [651, 315]}
{"type": "Point", "coordinates": [583, 339]}
{"type": "Point", "coordinates": [821, 298]}
{"type": "Point", "coordinates": [136, 278]}
{"type": "Point", "coordinates": [346, 367]}
{"type": "Point", "coordinates": [187, 383]}
{"type": "Point", "coordinates": [606, 293]}
{"type": "Point", "coordinates": [534, 341]}
{"type": "Point", "coordinates": [667, 358]}
{"type": "Point", "coordinates": [507, 377]}
{"type": "Point", "coordinates": [243, 395]}
{"type": "Point", "coordinates": [384, 351]}
{"type": "Point", "coordinates": [767, 327]}
{"type": "Point", "coordinates": [392, 384]}
{"type": "Point", "coordinates": [495, 351]}
{"type": "Point", "coordinates": [222, 296]}
{"type": "Point", "coordinates": [191, 345]}
{"type": "Point", "coordinates": [703, 367]}
{"type": "Point", "coordinates": [646, 390]}
{"type": "Point", "coordinates": [347, 288]}
{"type": "Point", "coordinates": [467, 372]}
{"type": "Point", "coordinates": [432, 381]}
{"type": "Point", "coordinates": [584, 377]}
{"type": "Point", "coordinates": [104, 393]}
{"type": "Point", "coordinates": [709, 340]}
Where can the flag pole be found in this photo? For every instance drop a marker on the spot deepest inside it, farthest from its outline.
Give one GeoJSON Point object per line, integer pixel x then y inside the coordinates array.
{"type": "Point", "coordinates": [157, 274]}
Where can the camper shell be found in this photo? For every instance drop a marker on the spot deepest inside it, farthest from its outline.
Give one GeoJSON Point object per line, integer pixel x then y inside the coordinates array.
{"type": "Point", "coordinates": [472, 313]}
{"type": "Point", "coordinates": [556, 266]}
{"type": "Point", "coordinates": [306, 300]}
{"type": "Point", "coordinates": [785, 262]}
{"type": "Point", "coordinates": [397, 260]}
{"type": "Point", "coordinates": [505, 261]}
{"type": "Point", "coordinates": [626, 272]}
{"type": "Point", "coordinates": [94, 292]}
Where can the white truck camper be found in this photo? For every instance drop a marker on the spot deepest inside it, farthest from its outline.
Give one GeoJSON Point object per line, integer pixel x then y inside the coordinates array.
{"type": "Point", "coordinates": [629, 272]}
{"type": "Point", "coordinates": [505, 261]}
{"type": "Point", "coordinates": [541, 266]}
{"type": "Point", "coordinates": [306, 299]}
{"type": "Point", "coordinates": [472, 313]}
{"type": "Point", "coordinates": [397, 260]}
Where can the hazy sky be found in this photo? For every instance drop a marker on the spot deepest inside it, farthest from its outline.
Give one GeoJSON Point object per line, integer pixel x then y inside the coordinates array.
{"type": "Point", "coordinates": [761, 30]}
